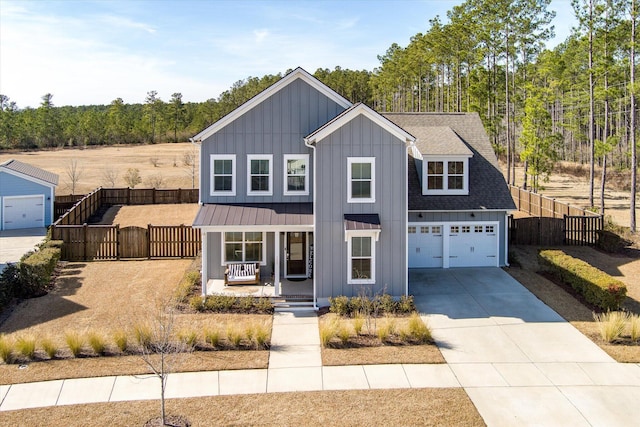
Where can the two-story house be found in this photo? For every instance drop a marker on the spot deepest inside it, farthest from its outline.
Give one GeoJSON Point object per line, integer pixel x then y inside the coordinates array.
{"type": "Point", "coordinates": [311, 187]}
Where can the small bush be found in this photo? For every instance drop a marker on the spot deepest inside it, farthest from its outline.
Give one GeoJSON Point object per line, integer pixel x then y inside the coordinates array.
{"type": "Point", "coordinates": [75, 342]}
{"type": "Point", "coordinates": [246, 303]}
{"type": "Point", "coordinates": [358, 323]}
{"type": "Point", "coordinates": [49, 347]}
{"type": "Point", "coordinates": [611, 324]}
{"type": "Point", "coordinates": [261, 335]}
{"type": "Point", "coordinates": [220, 303]}
{"type": "Point", "coordinates": [121, 340]}
{"type": "Point", "coordinates": [406, 304]}
{"type": "Point", "coordinates": [634, 327]}
{"type": "Point", "coordinates": [187, 286]}
{"type": "Point", "coordinates": [339, 305]}
{"type": "Point", "coordinates": [263, 305]}
{"type": "Point", "coordinates": [212, 337]}
{"type": "Point", "coordinates": [418, 330]}
{"type": "Point", "coordinates": [197, 303]}
{"type": "Point", "coordinates": [361, 304]}
{"type": "Point", "coordinates": [597, 287]}
{"type": "Point", "coordinates": [386, 303]}
{"type": "Point", "coordinates": [6, 349]}
{"type": "Point", "coordinates": [97, 342]}
{"type": "Point", "coordinates": [36, 271]}
{"type": "Point", "coordinates": [26, 345]}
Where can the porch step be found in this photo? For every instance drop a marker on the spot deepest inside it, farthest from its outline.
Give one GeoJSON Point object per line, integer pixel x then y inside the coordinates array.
{"type": "Point", "coordinates": [283, 307]}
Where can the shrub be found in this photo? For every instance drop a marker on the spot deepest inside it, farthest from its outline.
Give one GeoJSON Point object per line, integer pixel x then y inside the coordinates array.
{"type": "Point", "coordinates": [6, 349]}
{"type": "Point", "coordinates": [386, 303]}
{"type": "Point", "coordinates": [358, 323]}
{"type": "Point", "coordinates": [197, 303]}
{"type": "Point", "coordinates": [263, 305]}
{"type": "Point", "coordinates": [49, 347]}
{"type": "Point", "coordinates": [26, 345]}
{"type": "Point", "coordinates": [406, 304]}
{"type": "Point", "coordinates": [634, 327]}
{"type": "Point", "coordinates": [121, 340]}
{"type": "Point", "coordinates": [611, 324]}
{"type": "Point", "coordinates": [35, 271]}
{"type": "Point", "coordinates": [246, 303]}
{"type": "Point", "coordinates": [212, 337]}
{"type": "Point", "coordinates": [97, 342]}
{"type": "Point", "coordinates": [361, 304]}
{"type": "Point", "coordinates": [219, 303]}
{"type": "Point", "coordinates": [596, 286]}
{"type": "Point", "coordinates": [187, 286]}
{"type": "Point", "coordinates": [9, 283]}
{"type": "Point", "coordinates": [339, 305]}
{"type": "Point", "coordinates": [74, 342]}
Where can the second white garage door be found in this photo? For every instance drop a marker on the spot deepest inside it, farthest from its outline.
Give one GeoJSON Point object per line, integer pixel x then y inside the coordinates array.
{"type": "Point", "coordinates": [23, 212]}
{"type": "Point", "coordinates": [453, 245]}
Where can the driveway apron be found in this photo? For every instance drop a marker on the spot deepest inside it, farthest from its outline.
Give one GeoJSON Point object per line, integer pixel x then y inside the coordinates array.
{"type": "Point", "coordinates": [519, 361]}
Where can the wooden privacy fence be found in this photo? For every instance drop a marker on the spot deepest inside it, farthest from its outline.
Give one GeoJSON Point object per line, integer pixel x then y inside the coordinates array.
{"type": "Point", "coordinates": [110, 242]}
{"type": "Point", "coordinates": [552, 223]}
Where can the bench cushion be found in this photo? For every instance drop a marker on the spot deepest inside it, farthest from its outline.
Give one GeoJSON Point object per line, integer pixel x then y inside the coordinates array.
{"type": "Point", "coordinates": [241, 271]}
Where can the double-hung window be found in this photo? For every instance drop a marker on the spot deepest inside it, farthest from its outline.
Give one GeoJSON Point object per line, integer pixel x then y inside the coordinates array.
{"type": "Point", "coordinates": [446, 176]}
{"type": "Point", "coordinates": [241, 246]}
{"type": "Point", "coordinates": [223, 175]}
{"type": "Point", "coordinates": [296, 175]}
{"type": "Point", "coordinates": [361, 172]}
{"type": "Point", "coordinates": [260, 175]}
{"type": "Point", "coordinates": [361, 263]}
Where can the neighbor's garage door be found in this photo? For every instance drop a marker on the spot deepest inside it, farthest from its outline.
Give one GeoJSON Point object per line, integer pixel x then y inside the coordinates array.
{"type": "Point", "coordinates": [23, 212]}
{"type": "Point", "coordinates": [425, 246]}
{"type": "Point", "coordinates": [473, 245]}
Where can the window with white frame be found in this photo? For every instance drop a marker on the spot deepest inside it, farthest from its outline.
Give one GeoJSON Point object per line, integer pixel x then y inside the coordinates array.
{"type": "Point", "coordinates": [239, 246]}
{"type": "Point", "coordinates": [362, 261]}
{"type": "Point", "coordinates": [446, 176]}
{"type": "Point", "coordinates": [260, 175]}
{"type": "Point", "coordinates": [296, 174]}
{"type": "Point", "coordinates": [361, 173]}
{"type": "Point", "coordinates": [223, 175]}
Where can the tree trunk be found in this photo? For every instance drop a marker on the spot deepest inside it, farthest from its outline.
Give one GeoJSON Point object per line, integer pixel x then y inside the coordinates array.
{"type": "Point", "coordinates": [634, 163]}
{"type": "Point", "coordinates": [591, 108]}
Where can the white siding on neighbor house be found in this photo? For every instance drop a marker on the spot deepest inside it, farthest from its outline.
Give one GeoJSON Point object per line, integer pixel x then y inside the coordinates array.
{"type": "Point", "coordinates": [360, 138]}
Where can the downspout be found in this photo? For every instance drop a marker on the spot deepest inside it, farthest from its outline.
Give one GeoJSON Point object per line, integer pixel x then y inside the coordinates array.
{"type": "Point", "coordinates": [410, 145]}
{"type": "Point", "coordinates": [315, 234]}
{"type": "Point", "coordinates": [506, 239]}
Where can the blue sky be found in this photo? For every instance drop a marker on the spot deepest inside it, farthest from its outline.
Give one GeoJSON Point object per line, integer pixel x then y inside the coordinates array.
{"type": "Point", "coordinates": [91, 52]}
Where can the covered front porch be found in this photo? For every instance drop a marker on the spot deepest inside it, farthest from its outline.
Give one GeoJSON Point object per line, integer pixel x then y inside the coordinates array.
{"type": "Point", "coordinates": [276, 238]}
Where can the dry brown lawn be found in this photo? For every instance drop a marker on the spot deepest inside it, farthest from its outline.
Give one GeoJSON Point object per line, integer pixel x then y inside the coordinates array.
{"type": "Point", "coordinates": [624, 268]}
{"type": "Point", "coordinates": [94, 162]}
{"type": "Point", "coordinates": [407, 407]}
{"type": "Point", "coordinates": [143, 215]}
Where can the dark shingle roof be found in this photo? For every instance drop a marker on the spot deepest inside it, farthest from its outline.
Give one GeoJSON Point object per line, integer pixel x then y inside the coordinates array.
{"type": "Point", "coordinates": [440, 141]}
{"type": "Point", "coordinates": [254, 214]}
{"type": "Point", "coordinates": [31, 171]}
{"type": "Point", "coordinates": [487, 187]}
{"type": "Point", "coordinates": [362, 222]}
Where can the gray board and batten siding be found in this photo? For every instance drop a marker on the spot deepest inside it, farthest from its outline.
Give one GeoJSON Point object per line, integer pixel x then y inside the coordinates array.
{"type": "Point", "coordinates": [360, 137]}
{"type": "Point", "coordinates": [275, 126]}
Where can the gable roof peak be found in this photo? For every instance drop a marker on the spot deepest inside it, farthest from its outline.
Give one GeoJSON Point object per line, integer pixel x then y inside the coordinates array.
{"type": "Point", "coordinates": [18, 167]}
{"type": "Point", "coordinates": [296, 74]}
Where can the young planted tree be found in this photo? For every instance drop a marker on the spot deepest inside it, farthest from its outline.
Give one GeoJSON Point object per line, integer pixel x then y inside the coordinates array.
{"type": "Point", "coordinates": [132, 177]}
{"type": "Point", "coordinates": [109, 177]}
{"type": "Point", "coordinates": [74, 173]}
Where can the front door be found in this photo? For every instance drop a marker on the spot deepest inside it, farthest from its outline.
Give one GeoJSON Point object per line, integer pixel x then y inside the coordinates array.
{"type": "Point", "coordinates": [296, 254]}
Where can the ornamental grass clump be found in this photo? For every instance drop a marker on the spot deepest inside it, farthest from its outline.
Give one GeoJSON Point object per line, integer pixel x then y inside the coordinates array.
{"type": "Point", "coordinates": [327, 330]}
{"type": "Point", "coordinates": [634, 327]}
{"type": "Point", "coordinates": [97, 342]}
{"type": "Point", "coordinates": [611, 324]}
{"type": "Point", "coordinates": [212, 337]}
{"type": "Point", "coordinates": [234, 336]}
{"type": "Point", "coordinates": [49, 347]}
{"type": "Point", "coordinates": [26, 345]}
{"type": "Point", "coordinates": [188, 337]}
{"type": "Point", "coordinates": [260, 336]}
{"type": "Point", "coordinates": [343, 332]}
{"type": "Point", "coordinates": [74, 342]}
{"type": "Point", "coordinates": [418, 330]}
{"type": "Point", "coordinates": [143, 335]}
{"type": "Point", "coordinates": [6, 349]}
{"type": "Point", "coordinates": [358, 324]}
{"type": "Point", "coordinates": [121, 340]}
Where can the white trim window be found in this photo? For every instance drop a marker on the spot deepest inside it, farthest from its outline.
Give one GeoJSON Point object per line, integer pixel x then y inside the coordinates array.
{"type": "Point", "coordinates": [361, 183]}
{"type": "Point", "coordinates": [243, 246]}
{"type": "Point", "coordinates": [446, 175]}
{"type": "Point", "coordinates": [260, 174]}
{"type": "Point", "coordinates": [223, 175]}
{"type": "Point", "coordinates": [296, 175]}
{"type": "Point", "coordinates": [361, 249]}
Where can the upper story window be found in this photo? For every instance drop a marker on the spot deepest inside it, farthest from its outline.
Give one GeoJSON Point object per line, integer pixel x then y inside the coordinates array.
{"type": "Point", "coordinates": [361, 172]}
{"type": "Point", "coordinates": [296, 175]}
{"type": "Point", "coordinates": [223, 175]}
{"type": "Point", "coordinates": [260, 175]}
{"type": "Point", "coordinates": [446, 176]}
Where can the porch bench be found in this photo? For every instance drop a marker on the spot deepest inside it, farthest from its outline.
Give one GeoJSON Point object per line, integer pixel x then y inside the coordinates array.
{"type": "Point", "coordinates": [242, 274]}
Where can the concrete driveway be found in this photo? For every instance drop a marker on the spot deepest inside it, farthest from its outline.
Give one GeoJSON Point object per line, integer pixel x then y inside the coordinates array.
{"type": "Point", "coordinates": [14, 243]}
{"type": "Point", "coordinates": [519, 361]}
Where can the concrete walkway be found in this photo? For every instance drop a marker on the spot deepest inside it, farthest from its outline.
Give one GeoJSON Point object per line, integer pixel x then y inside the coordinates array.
{"type": "Point", "coordinates": [518, 360]}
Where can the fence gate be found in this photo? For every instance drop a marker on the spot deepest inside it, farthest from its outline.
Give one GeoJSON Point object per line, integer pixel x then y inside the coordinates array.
{"type": "Point", "coordinates": [134, 242]}
{"type": "Point", "coordinates": [582, 230]}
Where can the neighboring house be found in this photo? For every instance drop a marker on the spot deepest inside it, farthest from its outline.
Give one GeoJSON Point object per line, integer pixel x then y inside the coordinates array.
{"type": "Point", "coordinates": [27, 194]}
{"type": "Point", "coordinates": [309, 185]}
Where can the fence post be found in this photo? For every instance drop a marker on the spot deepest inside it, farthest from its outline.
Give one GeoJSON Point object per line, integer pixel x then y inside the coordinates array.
{"type": "Point", "coordinates": [85, 230]}
{"type": "Point", "coordinates": [149, 235]}
{"type": "Point", "coordinates": [182, 240]}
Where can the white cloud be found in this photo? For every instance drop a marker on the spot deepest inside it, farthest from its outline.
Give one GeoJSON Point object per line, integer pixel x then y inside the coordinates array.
{"type": "Point", "coordinates": [260, 35]}
{"type": "Point", "coordinates": [123, 22]}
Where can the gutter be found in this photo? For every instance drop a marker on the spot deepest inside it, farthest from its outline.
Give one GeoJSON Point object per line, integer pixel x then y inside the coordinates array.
{"type": "Point", "coordinates": [315, 232]}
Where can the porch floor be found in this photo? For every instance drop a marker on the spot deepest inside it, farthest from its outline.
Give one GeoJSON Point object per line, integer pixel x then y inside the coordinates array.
{"type": "Point", "coordinates": [265, 289]}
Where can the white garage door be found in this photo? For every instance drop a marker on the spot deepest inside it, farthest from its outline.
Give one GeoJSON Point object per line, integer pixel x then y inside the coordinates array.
{"type": "Point", "coordinates": [23, 212]}
{"type": "Point", "coordinates": [473, 245]}
{"type": "Point", "coordinates": [425, 246]}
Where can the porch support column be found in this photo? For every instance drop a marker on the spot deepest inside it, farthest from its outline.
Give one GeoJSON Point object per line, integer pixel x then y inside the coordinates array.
{"type": "Point", "coordinates": [205, 264]}
{"type": "Point", "coordinates": [276, 264]}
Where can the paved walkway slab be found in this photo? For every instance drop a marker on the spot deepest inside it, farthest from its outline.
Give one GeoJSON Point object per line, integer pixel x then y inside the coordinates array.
{"type": "Point", "coordinates": [86, 390]}
{"type": "Point", "coordinates": [32, 395]}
